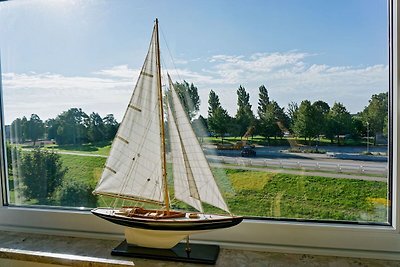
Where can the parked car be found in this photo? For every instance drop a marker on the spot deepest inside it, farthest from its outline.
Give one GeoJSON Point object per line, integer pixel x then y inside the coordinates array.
{"type": "Point", "coordinates": [248, 151]}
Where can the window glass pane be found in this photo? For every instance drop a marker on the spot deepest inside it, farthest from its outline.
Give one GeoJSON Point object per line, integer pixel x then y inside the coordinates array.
{"type": "Point", "coordinates": [293, 96]}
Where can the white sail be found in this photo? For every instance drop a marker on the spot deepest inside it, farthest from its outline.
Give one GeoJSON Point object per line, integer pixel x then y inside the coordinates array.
{"type": "Point", "coordinates": [196, 160]}
{"type": "Point", "coordinates": [134, 166]}
{"type": "Point", "coordinates": [184, 186]}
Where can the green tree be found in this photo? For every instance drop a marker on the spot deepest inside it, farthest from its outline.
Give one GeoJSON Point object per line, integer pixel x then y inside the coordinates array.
{"type": "Point", "coordinates": [263, 100]}
{"type": "Point", "coordinates": [220, 122]}
{"type": "Point", "coordinates": [272, 120]}
{"type": "Point", "coordinates": [305, 124]}
{"type": "Point", "coordinates": [13, 153]}
{"type": "Point", "coordinates": [321, 110]}
{"type": "Point", "coordinates": [292, 110]}
{"type": "Point", "coordinates": [218, 119]}
{"type": "Point", "coordinates": [358, 128]}
{"type": "Point", "coordinates": [213, 103]}
{"type": "Point", "coordinates": [75, 193]}
{"type": "Point", "coordinates": [322, 107]}
{"type": "Point", "coordinates": [376, 113]}
{"type": "Point", "coordinates": [9, 156]}
{"type": "Point", "coordinates": [189, 97]}
{"type": "Point", "coordinates": [267, 122]}
{"type": "Point", "coordinates": [339, 121]}
{"type": "Point", "coordinates": [96, 128]}
{"type": "Point", "coordinates": [35, 128]}
{"type": "Point", "coordinates": [281, 119]}
{"type": "Point", "coordinates": [262, 121]}
{"type": "Point", "coordinates": [244, 116]}
{"type": "Point", "coordinates": [18, 130]}
{"type": "Point", "coordinates": [200, 127]}
{"type": "Point", "coordinates": [386, 127]}
{"type": "Point", "coordinates": [51, 126]}
{"type": "Point", "coordinates": [111, 126]}
{"type": "Point", "coordinates": [70, 127]}
{"type": "Point", "coordinates": [41, 173]}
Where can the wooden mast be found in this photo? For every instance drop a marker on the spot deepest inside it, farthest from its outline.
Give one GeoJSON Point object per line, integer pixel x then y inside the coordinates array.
{"type": "Point", "coordinates": [160, 98]}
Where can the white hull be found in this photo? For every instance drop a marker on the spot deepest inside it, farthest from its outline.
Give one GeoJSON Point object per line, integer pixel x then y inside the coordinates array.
{"type": "Point", "coordinates": [162, 239]}
{"type": "Point", "coordinates": [158, 232]}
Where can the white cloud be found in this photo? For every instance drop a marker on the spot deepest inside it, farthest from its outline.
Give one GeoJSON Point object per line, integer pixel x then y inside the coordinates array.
{"type": "Point", "coordinates": [48, 94]}
{"type": "Point", "coordinates": [288, 76]}
{"type": "Point", "coordinates": [181, 61]}
{"type": "Point", "coordinates": [203, 78]}
{"type": "Point", "coordinates": [121, 71]}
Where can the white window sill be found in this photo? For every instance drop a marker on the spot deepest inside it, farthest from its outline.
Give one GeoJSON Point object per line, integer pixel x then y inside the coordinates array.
{"type": "Point", "coordinates": [69, 251]}
{"type": "Point", "coordinates": [379, 242]}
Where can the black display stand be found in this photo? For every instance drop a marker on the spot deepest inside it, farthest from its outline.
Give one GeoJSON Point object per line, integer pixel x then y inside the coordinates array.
{"type": "Point", "coordinates": [197, 253]}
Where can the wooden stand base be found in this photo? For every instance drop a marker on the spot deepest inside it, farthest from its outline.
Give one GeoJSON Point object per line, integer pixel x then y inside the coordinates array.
{"type": "Point", "coordinates": [198, 253]}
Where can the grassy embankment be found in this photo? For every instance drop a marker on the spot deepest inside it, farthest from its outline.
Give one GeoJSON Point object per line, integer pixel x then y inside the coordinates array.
{"type": "Point", "coordinates": [304, 197]}
{"type": "Point", "coordinates": [254, 193]}
{"type": "Point", "coordinates": [259, 193]}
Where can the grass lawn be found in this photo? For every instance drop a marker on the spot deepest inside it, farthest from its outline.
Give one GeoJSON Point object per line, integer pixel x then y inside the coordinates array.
{"type": "Point", "coordinates": [306, 197]}
{"type": "Point", "coordinates": [267, 194]}
{"type": "Point", "coordinates": [303, 170]}
{"type": "Point", "coordinates": [83, 168]}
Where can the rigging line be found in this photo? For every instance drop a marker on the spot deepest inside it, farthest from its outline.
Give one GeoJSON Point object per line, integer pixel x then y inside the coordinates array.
{"type": "Point", "coordinates": [170, 54]}
{"type": "Point", "coordinates": [104, 201]}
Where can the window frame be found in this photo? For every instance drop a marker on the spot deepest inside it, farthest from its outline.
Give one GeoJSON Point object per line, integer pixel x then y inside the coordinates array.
{"type": "Point", "coordinates": [374, 241]}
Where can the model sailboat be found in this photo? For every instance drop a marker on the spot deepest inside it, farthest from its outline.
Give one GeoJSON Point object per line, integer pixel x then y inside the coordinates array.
{"type": "Point", "coordinates": [136, 168]}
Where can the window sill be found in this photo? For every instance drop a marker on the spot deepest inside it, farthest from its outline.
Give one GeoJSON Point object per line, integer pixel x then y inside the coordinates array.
{"type": "Point", "coordinates": [375, 242]}
{"type": "Point", "coordinates": [72, 251]}
{"type": "Point", "coordinates": [60, 250]}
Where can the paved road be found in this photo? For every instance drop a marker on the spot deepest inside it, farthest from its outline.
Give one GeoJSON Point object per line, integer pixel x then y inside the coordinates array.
{"type": "Point", "coordinates": [367, 167]}
{"type": "Point", "coordinates": [279, 157]}
{"type": "Point", "coordinates": [345, 153]}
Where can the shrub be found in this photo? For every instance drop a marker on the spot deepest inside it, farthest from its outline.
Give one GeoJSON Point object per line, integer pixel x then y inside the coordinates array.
{"type": "Point", "coordinates": [41, 173]}
{"type": "Point", "coordinates": [75, 193]}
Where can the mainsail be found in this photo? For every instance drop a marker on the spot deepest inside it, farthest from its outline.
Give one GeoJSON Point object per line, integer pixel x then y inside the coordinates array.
{"type": "Point", "coordinates": [134, 167]}
{"type": "Point", "coordinates": [195, 172]}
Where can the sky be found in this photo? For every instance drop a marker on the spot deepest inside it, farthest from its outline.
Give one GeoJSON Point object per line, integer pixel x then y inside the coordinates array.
{"type": "Point", "coordinates": [59, 54]}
